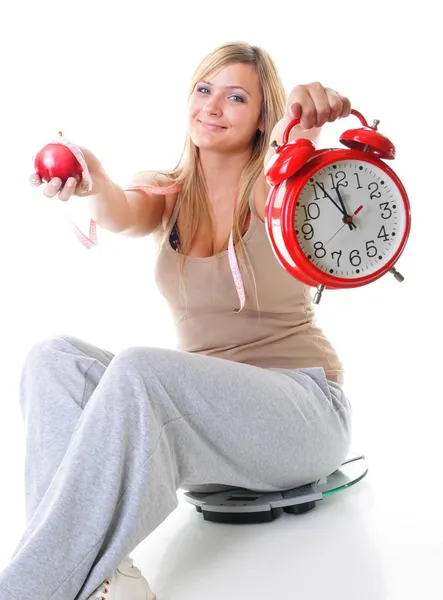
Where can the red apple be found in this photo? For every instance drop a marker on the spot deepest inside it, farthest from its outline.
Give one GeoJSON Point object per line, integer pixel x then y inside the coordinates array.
{"type": "Point", "coordinates": [56, 160]}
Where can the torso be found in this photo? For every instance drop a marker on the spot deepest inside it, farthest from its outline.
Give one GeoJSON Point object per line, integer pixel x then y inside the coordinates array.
{"type": "Point", "coordinates": [276, 327]}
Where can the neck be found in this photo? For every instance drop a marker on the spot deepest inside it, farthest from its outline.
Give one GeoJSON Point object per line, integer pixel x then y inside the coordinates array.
{"type": "Point", "coordinates": [222, 172]}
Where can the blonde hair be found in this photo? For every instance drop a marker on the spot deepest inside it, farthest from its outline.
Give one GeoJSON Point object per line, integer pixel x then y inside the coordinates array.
{"type": "Point", "coordinates": [195, 208]}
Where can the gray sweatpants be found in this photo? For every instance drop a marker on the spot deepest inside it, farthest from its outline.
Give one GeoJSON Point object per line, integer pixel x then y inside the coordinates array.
{"type": "Point", "coordinates": [110, 440]}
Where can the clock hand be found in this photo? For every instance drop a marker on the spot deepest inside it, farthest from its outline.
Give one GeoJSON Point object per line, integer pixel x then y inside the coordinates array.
{"type": "Point", "coordinates": [322, 187]}
{"type": "Point", "coordinates": [340, 199]}
{"type": "Point", "coordinates": [348, 220]}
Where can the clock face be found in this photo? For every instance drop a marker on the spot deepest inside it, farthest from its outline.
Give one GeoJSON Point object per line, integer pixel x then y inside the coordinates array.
{"type": "Point", "coordinates": [350, 218]}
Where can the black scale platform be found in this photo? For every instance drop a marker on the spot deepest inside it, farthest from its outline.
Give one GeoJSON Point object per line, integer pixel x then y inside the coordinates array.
{"type": "Point", "coordinates": [239, 505]}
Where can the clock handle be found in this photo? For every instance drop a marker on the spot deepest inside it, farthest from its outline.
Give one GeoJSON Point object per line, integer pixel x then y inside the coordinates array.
{"type": "Point", "coordinates": [295, 122]}
{"type": "Point", "coordinates": [358, 114]}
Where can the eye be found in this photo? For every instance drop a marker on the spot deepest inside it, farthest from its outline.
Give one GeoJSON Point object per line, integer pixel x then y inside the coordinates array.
{"type": "Point", "coordinates": [201, 89]}
{"type": "Point", "coordinates": [240, 99]}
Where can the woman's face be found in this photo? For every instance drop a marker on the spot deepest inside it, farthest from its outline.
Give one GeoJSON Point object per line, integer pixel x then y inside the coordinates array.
{"type": "Point", "coordinates": [225, 108]}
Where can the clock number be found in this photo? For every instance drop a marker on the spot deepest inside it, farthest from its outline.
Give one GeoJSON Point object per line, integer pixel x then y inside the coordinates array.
{"type": "Point", "coordinates": [354, 258]}
{"type": "Point", "coordinates": [310, 212]}
{"type": "Point", "coordinates": [309, 232]}
{"type": "Point", "coordinates": [359, 187]}
{"type": "Point", "coordinates": [315, 191]}
{"type": "Point", "coordinates": [371, 246]}
{"type": "Point", "coordinates": [322, 187]}
{"type": "Point", "coordinates": [319, 249]}
{"type": "Point", "coordinates": [385, 207]}
{"type": "Point", "coordinates": [382, 234]}
{"type": "Point", "coordinates": [375, 193]}
{"type": "Point", "coordinates": [339, 179]}
{"type": "Point", "coordinates": [339, 252]}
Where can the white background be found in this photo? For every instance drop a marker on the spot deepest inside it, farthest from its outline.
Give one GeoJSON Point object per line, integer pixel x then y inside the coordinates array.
{"type": "Point", "coordinates": [115, 80]}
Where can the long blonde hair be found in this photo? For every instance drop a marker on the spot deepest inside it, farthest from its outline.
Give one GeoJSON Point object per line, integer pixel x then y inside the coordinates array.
{"type": "Point", "coordinates": [195, 208]}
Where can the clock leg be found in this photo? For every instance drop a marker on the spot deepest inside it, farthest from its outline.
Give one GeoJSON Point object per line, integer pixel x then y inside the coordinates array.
{"type": "Point", "coordinates": [317, 297]}
{"type": "Point", "coordinates": [398, 276]}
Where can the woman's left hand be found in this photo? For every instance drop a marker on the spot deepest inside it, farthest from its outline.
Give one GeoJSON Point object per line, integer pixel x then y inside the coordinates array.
{"type": "Point", "coordinates": [316, 105]}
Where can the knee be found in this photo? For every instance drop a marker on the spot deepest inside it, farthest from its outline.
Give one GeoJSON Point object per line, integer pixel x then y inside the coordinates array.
{"type": "Point", "coordinates": [139, 356]}
{"type": "Point", "coordinates": [44, 351]}
{"type": "Point", "coordinates": [145, 360]}
{"type": "Point", "coordinates": [46, 346]}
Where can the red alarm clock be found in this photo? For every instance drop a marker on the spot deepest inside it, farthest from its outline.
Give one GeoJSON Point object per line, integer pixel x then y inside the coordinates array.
{"type": "Point", "coordinates": [337, 217]}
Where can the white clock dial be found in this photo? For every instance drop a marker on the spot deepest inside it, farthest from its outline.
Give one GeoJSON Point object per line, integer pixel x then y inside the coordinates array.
{"type": "Point", "coordinates": [362, 247]}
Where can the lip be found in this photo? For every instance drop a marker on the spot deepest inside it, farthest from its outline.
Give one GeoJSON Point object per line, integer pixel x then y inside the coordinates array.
{"type": "Point", "coordinates": [211, 126]}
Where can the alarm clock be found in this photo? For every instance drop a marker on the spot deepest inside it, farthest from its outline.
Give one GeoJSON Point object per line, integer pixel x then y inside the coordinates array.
{"type": "Point", "coordinates": [337, 217]}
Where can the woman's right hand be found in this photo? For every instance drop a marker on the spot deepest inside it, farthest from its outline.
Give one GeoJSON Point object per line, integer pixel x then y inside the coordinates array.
{"type": "Point", "coordinates": [71, 186]}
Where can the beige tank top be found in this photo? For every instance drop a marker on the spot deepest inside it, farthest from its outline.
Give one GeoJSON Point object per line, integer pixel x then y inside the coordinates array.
{"type": "Point", "coordinates": [278, 333]}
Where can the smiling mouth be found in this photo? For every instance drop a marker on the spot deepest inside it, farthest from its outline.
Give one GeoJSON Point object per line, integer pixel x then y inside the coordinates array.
{"type": "Point", "coordinates": [211, 126]}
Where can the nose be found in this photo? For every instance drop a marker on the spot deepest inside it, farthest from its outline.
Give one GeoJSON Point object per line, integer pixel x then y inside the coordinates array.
{"type": "Point", "coordinates": [212, 106]}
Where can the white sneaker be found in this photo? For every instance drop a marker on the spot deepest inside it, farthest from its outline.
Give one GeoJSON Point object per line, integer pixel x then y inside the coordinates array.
{"type": "Point", "coordinates": [125, 583]}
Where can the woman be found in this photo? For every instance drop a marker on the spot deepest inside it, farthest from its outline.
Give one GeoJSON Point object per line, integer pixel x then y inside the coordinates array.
{"type": "Point", "coordinates": [252, 397]}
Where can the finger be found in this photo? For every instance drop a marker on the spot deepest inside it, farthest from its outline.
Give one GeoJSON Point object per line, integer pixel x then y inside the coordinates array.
{"type": "Point", "coordinates": [321, 103]}
{"type": "Point", "coordinates": [35, 180]}
{"type": "Point", "coordinates": [295, 110]}
{"type": "Point", "coordinates": [303, 105]}
{"type": "Point", "coordinates": [346, 110]}
{"type": "Point", "coordinates": [299, 103]}
{"type": "Point", "coordinates": [68, 189]}
{"type": "Point", "coordinates": [335, 103]}
{"type": "Point", "coordinates": [53, 187]}
{"type": "Point", "coordinates": [82, 188]}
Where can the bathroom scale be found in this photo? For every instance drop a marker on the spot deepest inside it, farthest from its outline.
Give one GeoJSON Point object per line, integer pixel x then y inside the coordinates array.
{"type": "Point", "coordinates": [239, 505]}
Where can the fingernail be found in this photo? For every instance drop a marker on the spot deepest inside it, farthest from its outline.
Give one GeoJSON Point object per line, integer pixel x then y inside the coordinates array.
{"type": "Point", "coordinates": [70, 183]}
{"type": "Point", "coordinates": [54, 182]}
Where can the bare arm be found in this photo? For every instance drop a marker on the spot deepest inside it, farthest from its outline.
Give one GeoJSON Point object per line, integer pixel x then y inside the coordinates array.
{"type": "Point", "coordinates": [109, 206]}
{"type": "Point", "coordinates": [132, 213]}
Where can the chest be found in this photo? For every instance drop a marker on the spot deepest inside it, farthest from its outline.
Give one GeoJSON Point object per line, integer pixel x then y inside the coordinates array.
{"type": "Point", "coordinates": [206, 285]}
{"type": "Point", "coordinates": [209, 242]}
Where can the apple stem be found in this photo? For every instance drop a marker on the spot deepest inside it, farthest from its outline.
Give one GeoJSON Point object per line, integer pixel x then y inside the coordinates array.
{"type": "Point", "coordinates": [60, 134]}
